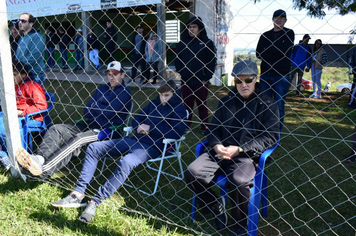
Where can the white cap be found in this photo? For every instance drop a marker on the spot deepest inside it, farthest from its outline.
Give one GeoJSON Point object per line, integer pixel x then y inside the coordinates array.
{"type": "Point", "coordinates": [80, 30]}
{"type": "Point", "coordinates": [114, 66]}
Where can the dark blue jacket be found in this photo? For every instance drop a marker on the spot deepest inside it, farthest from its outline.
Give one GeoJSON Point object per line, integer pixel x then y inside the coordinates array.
{"type": "Point", "coordinates": [64, 41]}
{"type": "Point", "coordinates": [111, 37]}
{"type": "Point", "coordinates": [51, 40]}
{"type": "Point", "coordinates": [301, 56]}
{"type": "Point", "coordinates": [92, 42]}
{"type": "Point", "coordinates": [196, 57]}
{"type": "Point", "coordinates": [108, 106]}
{"type": "Point", "coordinates": [168, 121]}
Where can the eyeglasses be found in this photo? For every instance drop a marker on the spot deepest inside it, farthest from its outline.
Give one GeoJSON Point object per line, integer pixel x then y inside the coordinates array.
{"type": "Point", "coordinates": [23, 21]}
{"type": "Point", "coordinates": [247, 81]}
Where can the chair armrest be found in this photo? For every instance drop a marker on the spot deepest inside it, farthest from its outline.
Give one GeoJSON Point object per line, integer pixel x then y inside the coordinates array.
{"type": "Point", "coordinates": [80, 121]}
{"type": "Point", "coordinates": [128, 129]}
{"type": "Point", "coordinates": [117, 127]}
{"type": "Point", "coordinates": [172, 140]}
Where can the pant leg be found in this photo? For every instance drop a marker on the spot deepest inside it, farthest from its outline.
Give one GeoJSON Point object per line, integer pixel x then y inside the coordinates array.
{"type": "Point", "coordinates": [318, 73]}
{"type": "Point", "coordinates": [240, 173]}
{"type": "Point", "coordinates": [199, 177]}
{"type": "Point", "coordinates": [188, 99]}
{"type": "Point", "coordinates": [299, 77]}
{"type": "Point", "coordinates": [155, 70]}
{"type": "Point", "coordinates": [266, 85]}
{"type": "Point", "coordinates": [313, 74]}
{"type": "Point", "coordinates": [64, 57]}
{"type": "Point", "coordinates": [64, 154]}
{"type": "Point", "coordinates": [126, 164]}
{"type": "Point", "coordinates": [143, 64]}
{"type": "Point", "coordinates": [96, 57]}
{"type": "Point", "coordinates": [201, 95]}
{"type": "Point", "coordinates": [281, 87]}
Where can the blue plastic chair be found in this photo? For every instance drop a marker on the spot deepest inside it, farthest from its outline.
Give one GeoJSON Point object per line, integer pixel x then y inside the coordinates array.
{"type": "Point", "coordinates": [27, 130]}
{"type": "Point", "coordinates": [260, 186]}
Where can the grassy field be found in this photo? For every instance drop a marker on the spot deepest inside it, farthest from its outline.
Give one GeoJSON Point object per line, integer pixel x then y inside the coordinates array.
{"type": "Point", "coordinates": [311, 191]}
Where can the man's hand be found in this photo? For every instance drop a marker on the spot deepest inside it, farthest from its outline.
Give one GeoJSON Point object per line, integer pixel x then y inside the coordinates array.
{"type": "Point", "coordinates": [143, 129]}
{"type": "Point", "coordinates": [226, 153]}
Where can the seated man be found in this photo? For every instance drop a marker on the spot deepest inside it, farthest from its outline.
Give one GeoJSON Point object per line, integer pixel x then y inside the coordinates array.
{"type": "Point", "coordinates": [30, 97]}
{"type": "Point", "coordinates": [245, 124]}
{"type": "Point", "coordinates": [109, 105]}
{"type": "Point", "coordinates": [162, 118]}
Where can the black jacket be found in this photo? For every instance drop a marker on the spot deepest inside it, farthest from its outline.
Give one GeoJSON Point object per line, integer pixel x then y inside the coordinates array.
{"type": "Point", "coordinates": [196, 57]}
{"type": "Point", "coordinates": [93, 42]}
{"type": "Point", "coordinates": [64, 41]}
{"type": "Point", "coordinates": [111, 37]}
{"type": "Point", "coordinates": [252, 124]}
{"type": "Point", "coordinates": [51, 40]}
{"type": "Point", "coordinates": [274, 50]}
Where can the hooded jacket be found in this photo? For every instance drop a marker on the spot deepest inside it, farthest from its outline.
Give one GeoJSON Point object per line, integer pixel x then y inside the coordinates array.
{"type": "Point", "coordinates": [196, 57]}
{"type": "Point", "coordinates": [108, 106]}
{"type": "Point", "coordinates": [168, 121]}
{"type": "Point", "coordinates": [252, 123]}
{"type": "Point", "coordinates": [274, 49]}
{"type": "Point", "coordinates": [30, 51]}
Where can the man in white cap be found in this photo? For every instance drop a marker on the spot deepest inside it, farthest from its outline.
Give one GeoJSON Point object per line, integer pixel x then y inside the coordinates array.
{"type": "Point", "coordinates": [109, 106]}
{"type": "Point", "coordinates": [245, 124]}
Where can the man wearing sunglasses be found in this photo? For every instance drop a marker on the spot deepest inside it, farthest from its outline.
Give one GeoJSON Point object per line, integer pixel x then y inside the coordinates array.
{"type": "Point", "coordinates": [245, 124]}
{"type": "Point", "coordinates": [31, 47]}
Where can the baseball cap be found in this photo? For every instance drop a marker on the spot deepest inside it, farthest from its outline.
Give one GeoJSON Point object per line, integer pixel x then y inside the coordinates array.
{"type": "Point", "coordinates": [245, 68]}
{"type": "Point", "coordinates": [306, 36]}
{"type": "Point", "coordinates": [80, 30]}
{"type": "Point", "coordinates": [114, 66]}
{"type": "Point", "coordinates": [139, 26]}
{"type": "Point", "coordinates": [280, 12]}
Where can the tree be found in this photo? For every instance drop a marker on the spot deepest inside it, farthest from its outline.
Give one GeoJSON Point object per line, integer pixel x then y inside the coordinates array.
{"type": "Point", "coordinates": [316, 8]}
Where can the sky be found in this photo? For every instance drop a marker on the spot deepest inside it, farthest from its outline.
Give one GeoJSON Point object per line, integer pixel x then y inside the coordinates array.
{"type": "Point", "coordinates": [250, 20]}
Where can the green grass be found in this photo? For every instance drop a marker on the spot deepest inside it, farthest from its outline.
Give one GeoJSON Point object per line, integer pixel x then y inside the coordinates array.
{"type": "Point", "coordinates": [311, 192]}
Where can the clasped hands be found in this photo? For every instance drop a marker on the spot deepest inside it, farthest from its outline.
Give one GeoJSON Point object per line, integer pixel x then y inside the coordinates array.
{"type": "Point", "coordinates": [143, 129]}
{"type": "Point", "coordinates": [226, 153]}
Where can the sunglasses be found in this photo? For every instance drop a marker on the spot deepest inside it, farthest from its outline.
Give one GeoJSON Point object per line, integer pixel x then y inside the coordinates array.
{"type": "Point", "coordinates": [23, 21]}
{"type": "Point", "coordinates": [247, 81]}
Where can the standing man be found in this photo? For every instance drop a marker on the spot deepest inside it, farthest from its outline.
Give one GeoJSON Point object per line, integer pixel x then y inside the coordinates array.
{"type": "Point", "coordinates": [301, 57]}
{"type": "Point", "coordinates": [110, 37]}
{"type": "Point", "coordinates": [274, 48]}
{"type": "Point", "coordinates": [79, 49]}
{"type": "Point", "coordinates": [63, 44]}
{"type": "Point", "coordinates": [138, 54]}
{"type": "Point", "coordinates": [245, 124]}
{"type": "Point", "coordinates": [31, 47]}
{"type": "Point", "coordinates": [196, 62]}
{"type": "Point", "coordinates": [51, 41]}
{"type": "Point", "coordinates": [93, 48]}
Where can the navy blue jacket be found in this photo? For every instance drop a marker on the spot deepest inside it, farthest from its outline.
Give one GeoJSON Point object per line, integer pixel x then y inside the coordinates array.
{"type": "Point", "coordinates": [252, 123]}
{"type": "Point", "coordinates": [168, 121]}
{"type": "Point", "coordinates": [108, 106]}
{"type": "Point", "coordinates": [196, 57]}
{"type": "Point", "coordinates": [64, 41]}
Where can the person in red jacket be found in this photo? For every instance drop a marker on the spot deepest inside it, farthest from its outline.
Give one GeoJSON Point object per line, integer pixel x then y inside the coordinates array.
{"type": "Point", "coordinates": [30, 97]}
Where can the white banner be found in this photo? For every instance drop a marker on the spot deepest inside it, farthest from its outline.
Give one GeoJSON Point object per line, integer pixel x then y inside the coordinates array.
{"type": "Point", "coordinates": [56, 7]}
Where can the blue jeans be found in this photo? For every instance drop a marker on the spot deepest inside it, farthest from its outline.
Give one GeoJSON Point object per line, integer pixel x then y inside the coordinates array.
{"type": "Point", "coordinates": [276, 87]}
{"type": "Point", "coordinates": [50, 57]}
{"type": "Point", "coordinates": [79, 59]}
{"type": "Point", "coordinates": [316, 79]}
{"type": "Point", "coordinates": [64, 57]}
{"type": "Point", "coordinates": [138, 153]}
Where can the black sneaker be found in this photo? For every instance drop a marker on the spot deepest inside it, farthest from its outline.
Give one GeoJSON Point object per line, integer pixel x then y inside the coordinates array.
{"type": "Point", "coordinates": [70, 201]}
{"type": "Point", "coordinates": [89, 212]}
{"type": "Point", "coordinates": [205, 131]}
{"type": "Point", "coordinates": [219, 211]}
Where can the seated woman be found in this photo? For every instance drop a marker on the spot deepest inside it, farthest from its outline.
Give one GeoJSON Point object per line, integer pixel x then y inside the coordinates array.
{"type": "Point", "coordinates": [30, 97]}
{"type": "Point", "coordinates": [163, 117]}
